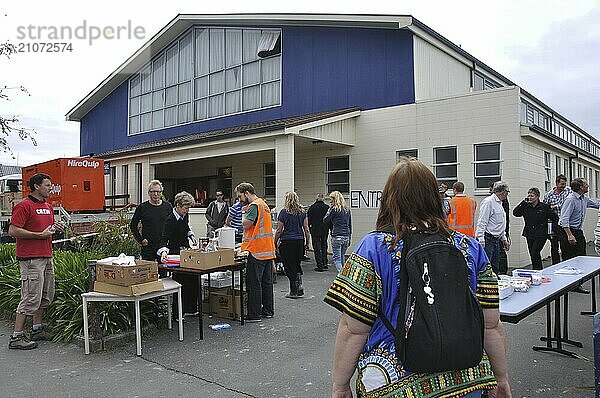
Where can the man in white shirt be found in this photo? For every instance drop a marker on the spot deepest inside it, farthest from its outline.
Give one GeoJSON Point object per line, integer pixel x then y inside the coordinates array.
{"type": "Point", "coordinates": [491, 224]}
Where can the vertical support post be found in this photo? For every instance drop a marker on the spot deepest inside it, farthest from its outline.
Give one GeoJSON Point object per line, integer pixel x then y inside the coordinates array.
{"type": "Point", "coordinates": [95, 319]}
{"type": "Point", "coordinates": [597, 353]}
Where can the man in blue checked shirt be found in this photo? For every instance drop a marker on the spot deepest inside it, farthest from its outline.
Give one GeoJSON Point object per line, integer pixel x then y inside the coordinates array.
{"type": "Point", "coordinates": [572, 214]}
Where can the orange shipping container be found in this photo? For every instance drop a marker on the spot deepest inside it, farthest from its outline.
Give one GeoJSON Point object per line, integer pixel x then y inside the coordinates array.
{"type": "Point", "coordinates": [77, 183]}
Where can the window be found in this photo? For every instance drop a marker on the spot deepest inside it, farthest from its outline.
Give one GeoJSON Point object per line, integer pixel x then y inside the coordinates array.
{"type": "Point", "coordinates": [487, 164]}
{"type": "Point", "coordinates": [445, 164]}
{"type": "Point", "coordinates": [566, 169]}
{"type": "Point", "coordinates": [558, 165]}
{"type": "Point", "coordinates": [548, 169]}
{"type": "Point", "coordinates": [407, 153]}
{"type": "Point", "coordinates": [269, 179]}
{"type": "Point", "coordinates": [338, 174]}
{"type": "Point", "coordinates": [207, 73]}
{"type": "Point", "coordinates": [113, 182]}
{"type": "Point", "coordinates": [597, 183]}
{"type": "Point", "coordinates": [125, 186]}
{"type": "Point", "coordinates": [481, 82]}
{"type": "Point", "coordinates": [579, 171]}
{"type": "Point", "coordinates": [138, 182]}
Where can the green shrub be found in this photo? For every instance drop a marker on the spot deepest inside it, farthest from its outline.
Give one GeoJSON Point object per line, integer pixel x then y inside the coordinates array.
{"type": "Point", "coordinates": [64, 316]}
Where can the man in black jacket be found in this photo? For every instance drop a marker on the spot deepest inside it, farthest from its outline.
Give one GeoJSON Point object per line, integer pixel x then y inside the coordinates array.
{"type": "Point", "coordinates": [318, 231]}
{"type": "Point", "coordinates": [216, 214]}
{"type": "Point", "coordinates": [537, 215]}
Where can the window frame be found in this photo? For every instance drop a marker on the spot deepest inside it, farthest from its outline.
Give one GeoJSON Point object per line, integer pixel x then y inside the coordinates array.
{"type": "Point", "coordinates": [334, 186]}
{"type": "Point", "coordinates": [547, 171]}
{"type": "Point", "coordinates": [183, 112]}
{"type": "Point", "coordinates": [447, 180]}
{"type": "Point", "coordinates": [267, 188]}
{"type": "Point", "coordinates": [499, 161]}
{"type": "Point", "coordinates": [407, 153]}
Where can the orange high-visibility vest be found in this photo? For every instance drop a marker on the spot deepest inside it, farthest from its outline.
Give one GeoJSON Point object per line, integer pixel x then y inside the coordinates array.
{"type": "Point", "coordinates": [259, 240]}
{"type": "Point", "coordinates": [462, 215]}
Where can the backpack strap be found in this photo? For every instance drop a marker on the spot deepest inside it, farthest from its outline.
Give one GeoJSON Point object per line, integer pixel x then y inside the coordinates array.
{"type": "Point", "coordinates": [399, 331]}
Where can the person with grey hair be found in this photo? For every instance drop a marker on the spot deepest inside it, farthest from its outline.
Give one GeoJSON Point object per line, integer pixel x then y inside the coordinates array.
{"type": "Point", "coordinates": [572, 214]}
{"type": "Point", "coordinates": [318, 231]}
{"type": "Point", "coordinates": [176, 236]}
{"type": "Point", "coordinates": [152, 214]}
{"type": "Point", "coordinates": [491, 224]}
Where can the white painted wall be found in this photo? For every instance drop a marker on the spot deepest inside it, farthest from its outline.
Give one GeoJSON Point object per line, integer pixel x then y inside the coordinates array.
{"type": "Point", "coordinates": [436, 73]}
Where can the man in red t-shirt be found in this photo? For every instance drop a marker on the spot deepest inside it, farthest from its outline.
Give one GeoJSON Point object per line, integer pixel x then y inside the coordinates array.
{"type": "Point", "coordinates": [32, 224]}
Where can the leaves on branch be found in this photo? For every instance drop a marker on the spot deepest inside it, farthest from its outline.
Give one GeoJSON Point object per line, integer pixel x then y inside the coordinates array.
{"type": "Point", "coordinates": [10, 124]}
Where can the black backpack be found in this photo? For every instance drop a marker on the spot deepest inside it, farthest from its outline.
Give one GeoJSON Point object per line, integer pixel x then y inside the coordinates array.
{"type": "Point", "coordinates": [447, 327]}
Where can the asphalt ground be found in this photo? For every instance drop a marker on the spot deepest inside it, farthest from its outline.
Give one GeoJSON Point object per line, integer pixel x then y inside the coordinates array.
{"type": "Point", "coordinates": [286, 356]}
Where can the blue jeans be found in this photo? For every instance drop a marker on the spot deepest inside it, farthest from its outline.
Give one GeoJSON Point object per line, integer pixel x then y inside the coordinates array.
{"type": "Point", "coordinates": [339, 245]}
{"type": "Point", "coordinates": [492, 249]}
{"type": "Point", "coordinates": [474, 394]}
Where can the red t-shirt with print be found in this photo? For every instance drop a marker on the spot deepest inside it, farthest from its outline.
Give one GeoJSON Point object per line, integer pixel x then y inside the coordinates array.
{"type": "Point", "coordinates": [34, 216]}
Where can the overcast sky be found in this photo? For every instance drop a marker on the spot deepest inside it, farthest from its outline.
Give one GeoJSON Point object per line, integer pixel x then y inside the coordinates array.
{"type": "Point", "coordinates": [550, 48]}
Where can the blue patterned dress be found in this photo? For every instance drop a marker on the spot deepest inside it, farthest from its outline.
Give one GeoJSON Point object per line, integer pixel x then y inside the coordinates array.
{"type": "Point", "coordinates": [369, 280]}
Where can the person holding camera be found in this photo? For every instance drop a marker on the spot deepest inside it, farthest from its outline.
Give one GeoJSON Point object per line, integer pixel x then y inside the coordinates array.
{"type": "Point", "coordinates": [537, 215]}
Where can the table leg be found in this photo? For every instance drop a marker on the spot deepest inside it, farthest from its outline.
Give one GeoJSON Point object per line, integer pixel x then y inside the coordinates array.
{"type": "Point", "coordinates": [138, 328]}
{"type": "Point", "coordinates": [593, 311]}
{"type": "Point", "coordinates": [200, 320]}
{"type": "Point", "coordinates": [557, 335]}
{"type": "Point", "coordinates": [565, 333]}
{"type": "Point", "coordinates": [180, 313]}
{"type": "Point", "coordinates": [242, 277]}
{"type": "Point", "coordinates": [169, 311]}
{"type": "Point", "coordinates": [86, 332]}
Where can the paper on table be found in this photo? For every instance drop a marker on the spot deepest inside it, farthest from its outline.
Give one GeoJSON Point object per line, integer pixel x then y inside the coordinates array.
{"type": "Point", "coordinates": [569, 271]}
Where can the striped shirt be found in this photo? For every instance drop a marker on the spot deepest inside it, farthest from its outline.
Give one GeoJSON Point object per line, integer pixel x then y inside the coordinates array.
{"type": "Point", "coordinates": [235, 213]}
{"type": "Point", "coordinates": [555, 200]}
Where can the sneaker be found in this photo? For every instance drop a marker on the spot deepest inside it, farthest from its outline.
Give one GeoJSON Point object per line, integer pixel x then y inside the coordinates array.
{"type": "Point", "coordinates": [40, 335]}
{"type": "Point", "coordinates": [21, 343]}
{"type": "Point", "coordinates": [320, 269]}
{"type": "Point", "coordinates": [252, 320]}
{"type": "Point", "coordinates": [267, 314]}
{"type": "Point", "coordinates": [292, 295]}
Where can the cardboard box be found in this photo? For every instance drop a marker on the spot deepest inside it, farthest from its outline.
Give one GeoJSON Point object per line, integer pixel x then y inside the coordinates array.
{"type": "Point", "coordinates": [217, 280]}
{"type": "Point", "coordinates": [206, 260]}
{"type": "Point", "coordinates": [224, 305]}
{"type": "Point", "coordinates": [133, 290]}
{"type": "Point", "coordinates": [144, 271]}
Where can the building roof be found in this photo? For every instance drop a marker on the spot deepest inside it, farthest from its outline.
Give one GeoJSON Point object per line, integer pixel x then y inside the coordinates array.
{"type": "Point", "coordinates": [182, 22]}
{"type": "Point", "coordinates": [195, 138]}
{"type": "Point", "coordinates": [9, 169]}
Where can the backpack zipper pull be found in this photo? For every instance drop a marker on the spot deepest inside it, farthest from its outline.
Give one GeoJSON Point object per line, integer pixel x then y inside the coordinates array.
{"type": "Point", "coordinates": [427, 289]}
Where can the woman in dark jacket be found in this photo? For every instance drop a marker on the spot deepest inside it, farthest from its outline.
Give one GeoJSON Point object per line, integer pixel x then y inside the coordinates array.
{"type": "Point", "coordinates": [537, 215]}
{"type": "Point", "coordinates": [175, 237]}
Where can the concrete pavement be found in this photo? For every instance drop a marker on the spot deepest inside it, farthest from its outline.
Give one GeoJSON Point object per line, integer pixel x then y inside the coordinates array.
{"type": "Point", "coordinates": [287, 356]}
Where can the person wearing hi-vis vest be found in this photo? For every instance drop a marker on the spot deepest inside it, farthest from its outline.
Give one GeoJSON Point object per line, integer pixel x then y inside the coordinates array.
{"type": "Point", "coordinates": [461, 217]}
{"type": "Point", "coordinates": [259, 242]}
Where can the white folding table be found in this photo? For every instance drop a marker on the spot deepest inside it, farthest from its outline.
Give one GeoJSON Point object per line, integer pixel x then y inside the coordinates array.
{"type": "Point", "coordinates": [520, 305]}
{"type": "Point", "coordinates": [170, 287]}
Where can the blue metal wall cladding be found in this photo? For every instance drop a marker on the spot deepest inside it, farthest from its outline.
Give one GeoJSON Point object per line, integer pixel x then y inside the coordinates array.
{"type": "Point", "coordinates": [323, 69]}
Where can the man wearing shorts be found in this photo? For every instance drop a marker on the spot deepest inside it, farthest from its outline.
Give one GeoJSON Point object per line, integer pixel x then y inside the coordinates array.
{"type": "Point", "coordinates": [32, 224]}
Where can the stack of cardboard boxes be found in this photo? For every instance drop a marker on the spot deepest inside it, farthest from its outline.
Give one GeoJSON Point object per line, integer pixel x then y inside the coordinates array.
{"type": "Point", "coordinates": [132, 279]}
{"type": "Point", "coordinates": [220, 300]}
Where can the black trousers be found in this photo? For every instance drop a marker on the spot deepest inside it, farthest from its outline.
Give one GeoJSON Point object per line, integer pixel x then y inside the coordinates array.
{"type": "Point", "coordinates": [189, 292]}
{"type": "Point", "coordinates": [554, 245]}
{"type": "Point", "coordinates": [568, 250]}
{"type": "Point", "coordinates": [535, 246]}
{"type": "Point", "coordinates": [319, 243]}
{"type": "Point", "coordinates": [292, 252]}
